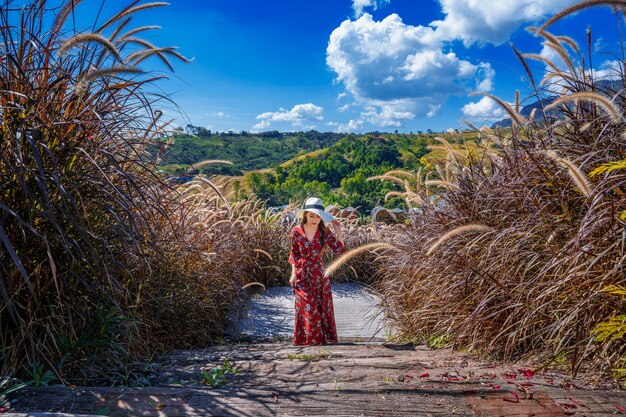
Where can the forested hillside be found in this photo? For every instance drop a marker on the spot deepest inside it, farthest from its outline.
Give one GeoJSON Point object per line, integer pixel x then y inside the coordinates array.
{"type": "Point", "coordinates": [339, 174]}
{"type": "Point", "coordinates": [284, 167]}
{"type": "Point", "coordinates": [245, 150]}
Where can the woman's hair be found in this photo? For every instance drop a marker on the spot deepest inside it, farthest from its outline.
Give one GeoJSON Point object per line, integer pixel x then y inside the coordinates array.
{"type": "Point", "coordinates": [322, 227]}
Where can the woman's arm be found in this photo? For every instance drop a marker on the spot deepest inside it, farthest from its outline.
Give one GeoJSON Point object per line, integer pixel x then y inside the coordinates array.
{"type": "Point", "coordinates": [335, 239]}
{"type": "Point", "coordinates": [292, 279]}
{"type": "Point", "coordinates": [338, 230]}
{"type": "Point", "coordinates": [294, 256]}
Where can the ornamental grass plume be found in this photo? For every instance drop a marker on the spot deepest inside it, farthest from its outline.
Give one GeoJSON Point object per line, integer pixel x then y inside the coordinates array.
{"type": "Point", "coordinates": [371, 247]}
{"type": "Point", "coordinates": [91, 235]}
{"type": "Point", "coordinates": [595, 98]}
{"type": "Point", "coordinates": [534, 284]}
{"type": "Point", "coordinates": [468, 228]}
{"type": "Point", "coordinates": [579, 178]}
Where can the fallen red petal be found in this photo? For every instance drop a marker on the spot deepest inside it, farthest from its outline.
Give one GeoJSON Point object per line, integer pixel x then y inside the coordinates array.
{"type": "Point", "coordinates": [528, 373]}
{"type": "Point", "coordinates": [575, 401]}
{"type": "Point", "coordinates": [511, 400]}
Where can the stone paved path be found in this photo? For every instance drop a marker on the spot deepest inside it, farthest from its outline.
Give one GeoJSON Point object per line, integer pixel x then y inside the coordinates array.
{"type": "Point", "coordinates": [360, 376]}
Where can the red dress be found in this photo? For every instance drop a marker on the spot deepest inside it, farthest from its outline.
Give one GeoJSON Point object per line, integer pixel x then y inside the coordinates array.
{"type": "Point", "coordinates": [315, 316]}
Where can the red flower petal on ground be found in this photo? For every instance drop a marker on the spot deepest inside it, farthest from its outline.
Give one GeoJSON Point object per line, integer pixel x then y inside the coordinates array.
{"type": "Point", "coordinates": [575, 401]}
{"type": "Point", "coordinates": [620, 408]}
{"type": "Point", "coordinates": [426, 375]}
{"type": "Point", "coordinates": [511, 400]}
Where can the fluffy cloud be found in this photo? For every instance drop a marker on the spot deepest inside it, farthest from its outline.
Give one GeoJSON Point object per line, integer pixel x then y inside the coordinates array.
{"type": "Point", "coordinates": [483, 109]}
{"type": "Point", "coordinates": [610, 70]}
{"type": "Point", "coordinates": [359, 5]}
{"type": "Point", "coordinates": [491, 21]}
{"type": "Point", "coordinates": [388, 115]}
{"type": "Point", "coordinates": [351, 126]}
{"type": "Point", "coordinates": [298, 115]}
{"type": "Point", "coordinates": [434, 110]}
{"type": "Point", "coordinates": [398, 71]}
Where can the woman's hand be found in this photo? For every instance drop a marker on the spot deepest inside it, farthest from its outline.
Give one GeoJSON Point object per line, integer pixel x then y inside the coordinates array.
{"type": "Point", "coordinates": [338, 230]}
{"type": "Point", "coordinates": [292, 280]}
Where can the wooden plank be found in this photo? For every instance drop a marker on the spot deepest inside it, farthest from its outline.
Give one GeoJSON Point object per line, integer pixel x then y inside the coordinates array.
{"type": "Point", "coordinates": [278, 379]}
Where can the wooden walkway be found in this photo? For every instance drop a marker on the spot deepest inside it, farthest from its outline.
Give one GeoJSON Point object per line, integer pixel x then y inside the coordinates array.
{"type": "Point", "coordinates": [358, 314]}
{"type": "Point", "coordinates": [352, 378]}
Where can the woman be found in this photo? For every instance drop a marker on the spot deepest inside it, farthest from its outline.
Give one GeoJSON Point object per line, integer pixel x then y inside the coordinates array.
{"type": "Point", "coordinates": [315, 317]}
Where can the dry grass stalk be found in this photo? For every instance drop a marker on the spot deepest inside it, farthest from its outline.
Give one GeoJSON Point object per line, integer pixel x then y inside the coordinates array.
{"type": "Point", "coordinates": [387, 178]}
{"type": "Point", "coordinates": [440, 183]}
{"type": "Point", "coordinates": [468, 228]}
{"type": "Point", "coordinates": [81, 38]}
{"type": "Point", "coordinates": [519, 119]}
{"type": "Point", "coordinates": [401, 173]}
{"type": "Point", "coordinates": [592, 97]}
{"type": "Point", "coordinates": [263, 252]}
{"type": "Point", "coordinates": [332, 268]}
{"type": "Point", "coordinates": [394, 194]}
{"type": "Point", "coordinates": [581, 6]}
{"type": "Point", "coordinates": [199, 165]}
{"type": "Point", "coordinates": [579, 178]}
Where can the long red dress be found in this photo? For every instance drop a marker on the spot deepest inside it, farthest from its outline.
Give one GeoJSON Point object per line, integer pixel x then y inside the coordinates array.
{"type": "Point", "coordinates": [315, 316]}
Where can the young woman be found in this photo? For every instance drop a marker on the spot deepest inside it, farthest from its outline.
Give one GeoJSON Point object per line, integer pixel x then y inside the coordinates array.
{"type": "Point", "coordinates": [315, 317]}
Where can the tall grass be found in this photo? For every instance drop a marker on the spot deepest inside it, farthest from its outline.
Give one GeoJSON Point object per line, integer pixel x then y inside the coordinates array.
{"type": "Point", "coordinates": [516, 242]}
{"type": "Point", "coordinates": [100, 259]}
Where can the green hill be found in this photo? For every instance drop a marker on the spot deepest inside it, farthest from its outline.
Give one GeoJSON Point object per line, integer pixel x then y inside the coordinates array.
{"type": "Point", "coordinates": [246, 151]}
{"type": "Point", "coordinates": [284, 167]}
{"type": "Point", "coordinates": [339, 174]}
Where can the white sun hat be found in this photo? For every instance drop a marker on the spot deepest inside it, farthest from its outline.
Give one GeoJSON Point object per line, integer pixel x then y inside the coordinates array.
{"type": "Point", "coordinates": [314, 205]}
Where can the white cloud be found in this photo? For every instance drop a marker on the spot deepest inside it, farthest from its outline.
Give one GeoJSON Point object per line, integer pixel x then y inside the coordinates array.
{"type": "Point", "coordinates": [434, 110]}
{"type": "Point", "coordinates": [299, 114]}
{"type": "Point", "coordinates": [610, 70]}
{"type": "Point", "coordinates": [261, 125]}
{"type": "Point", "coordinates": [359, 5]}
{"type": "Point", "coordinates": [485, 74]}
{"type": "Point", "coordinates": [387, 115]}
{"type": "Point", "coordinates": [218, 114]}
{"type": "Point", "coordinates": [351, 126]}
{"type": "Point", "coordinates": [491, 21]}
{"type": "Point", "coordinates": [343, 108]}
{"type": "Point", "coordinates": [398, 71]}
{"type": "Point", "coordinates": [484, 109]}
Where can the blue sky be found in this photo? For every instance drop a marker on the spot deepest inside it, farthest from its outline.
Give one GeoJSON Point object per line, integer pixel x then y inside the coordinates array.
{"type": "Point", "coordinates": [356, 65]}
